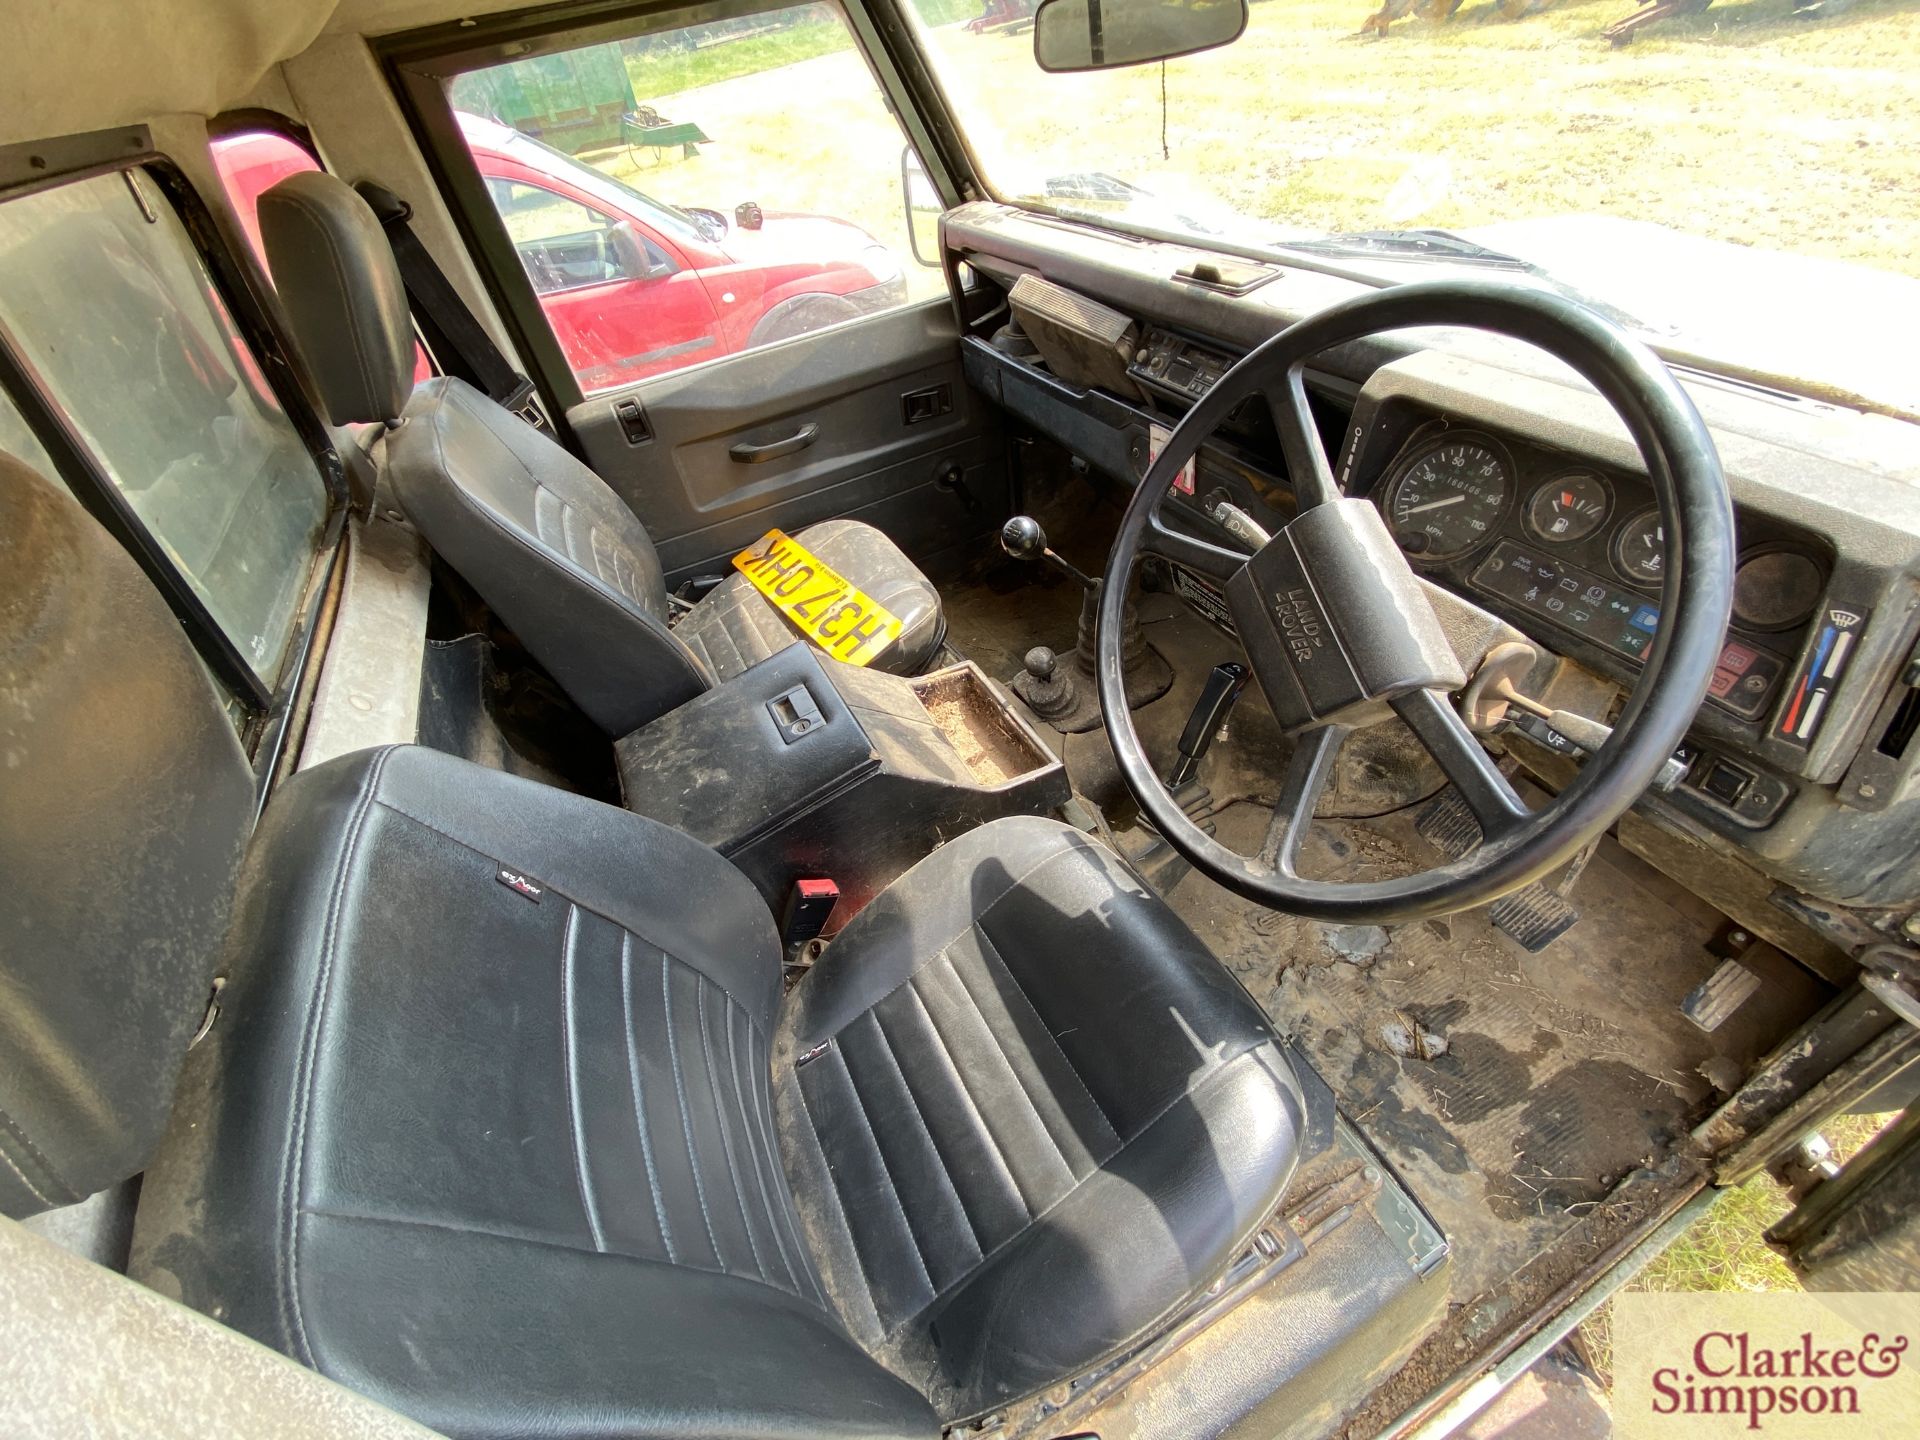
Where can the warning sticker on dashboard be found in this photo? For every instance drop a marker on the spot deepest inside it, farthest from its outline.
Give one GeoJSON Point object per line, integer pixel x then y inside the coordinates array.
{"type": "Point", "coordinates": [1157, 437]}
{"type": "Point", "coordinates": [829, 610]}
{"type": "Point", "coordinates": [1204, 597]}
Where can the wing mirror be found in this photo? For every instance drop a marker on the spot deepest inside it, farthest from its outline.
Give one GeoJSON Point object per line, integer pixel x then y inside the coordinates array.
{"type": "Point", "coordinates": [635, 259]}
{"type": "Point", "coordinates": [1073, 35]}
{"type": "Point", "coordinates": [923, 209]}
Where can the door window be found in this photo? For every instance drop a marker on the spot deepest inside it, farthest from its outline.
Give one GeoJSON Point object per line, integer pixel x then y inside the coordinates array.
{"type": "Point", "coordinates": [112, 312]}
{"type": "Point", "coordinates": [758, 148]}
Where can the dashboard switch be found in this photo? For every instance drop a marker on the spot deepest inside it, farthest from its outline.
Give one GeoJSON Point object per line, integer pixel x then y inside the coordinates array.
{"type": "Point", "coordinates": [1726, 782]}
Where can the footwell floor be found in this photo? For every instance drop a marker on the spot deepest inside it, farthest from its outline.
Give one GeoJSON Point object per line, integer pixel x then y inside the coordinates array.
{"type": "Point", "coordinates": [1540, 1081]}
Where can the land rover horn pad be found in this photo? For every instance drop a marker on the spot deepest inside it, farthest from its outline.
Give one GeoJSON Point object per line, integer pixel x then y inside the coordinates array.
{"type": "Point", "coordinates": [826, 606]}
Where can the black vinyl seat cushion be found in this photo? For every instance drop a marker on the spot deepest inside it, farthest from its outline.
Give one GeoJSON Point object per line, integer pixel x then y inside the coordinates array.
{"type": "Point", "coordinates": [568, 1166]}
{"type": "Point", "coordinates": [1026, 1113]}
{"type": "Point", "coordinates": [505, 1166]}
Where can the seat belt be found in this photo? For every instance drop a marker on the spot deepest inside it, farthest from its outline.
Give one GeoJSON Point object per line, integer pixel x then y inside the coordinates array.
{"type": "Point", "coordinates": [458, 340]}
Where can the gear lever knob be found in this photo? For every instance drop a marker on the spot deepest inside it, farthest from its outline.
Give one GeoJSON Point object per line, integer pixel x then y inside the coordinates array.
{"type": "Point", "coordinates": [1023, 539]}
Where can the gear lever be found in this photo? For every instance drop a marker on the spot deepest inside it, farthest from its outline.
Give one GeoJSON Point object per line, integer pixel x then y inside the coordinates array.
{"type": "Point", "coordinates": [1063, 693]}
{"type": "Point", "coordinates": [1023, 539]}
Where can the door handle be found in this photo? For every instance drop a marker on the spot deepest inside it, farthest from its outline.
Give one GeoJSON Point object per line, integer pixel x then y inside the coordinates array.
{"type": "Point", "coordinates": [745, 454]}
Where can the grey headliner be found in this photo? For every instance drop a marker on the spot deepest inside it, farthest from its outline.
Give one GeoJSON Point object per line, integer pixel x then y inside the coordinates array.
{"type": "Point", "coordinates": [71, 66]}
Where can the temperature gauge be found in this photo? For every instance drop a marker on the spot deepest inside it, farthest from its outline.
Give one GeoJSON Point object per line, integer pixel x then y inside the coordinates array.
{"type": "Point", "coordinates": [1569, 507]}
{"type": "Point", "coordinates": [1640, 549]}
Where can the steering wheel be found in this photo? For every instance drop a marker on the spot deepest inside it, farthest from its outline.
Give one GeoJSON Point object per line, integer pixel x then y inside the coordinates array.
{"type": "Point", "coordinates": [1340, 634]}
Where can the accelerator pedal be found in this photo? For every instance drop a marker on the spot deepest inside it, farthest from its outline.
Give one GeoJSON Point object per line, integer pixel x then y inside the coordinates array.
{"type": "Point", "coordinates": [1532, 916]}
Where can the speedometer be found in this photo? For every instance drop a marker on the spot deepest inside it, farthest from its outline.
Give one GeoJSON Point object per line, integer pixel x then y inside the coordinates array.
{"type": "Point", "coordinates": [1447, 496]}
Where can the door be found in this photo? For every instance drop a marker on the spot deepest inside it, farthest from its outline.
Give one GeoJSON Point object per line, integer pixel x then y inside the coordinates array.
{"type": "Point", "coordinates": [1860, 1230]}
{"type": "Point", "coordinates": [825, 379]}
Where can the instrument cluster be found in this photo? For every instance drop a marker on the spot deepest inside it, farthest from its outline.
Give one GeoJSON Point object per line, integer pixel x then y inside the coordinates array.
{"type": "Point", "coordinates": [1584, 549]}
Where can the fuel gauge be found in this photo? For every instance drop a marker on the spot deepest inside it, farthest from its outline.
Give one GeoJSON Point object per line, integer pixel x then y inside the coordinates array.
{"type": "Point", "coordinates": [1569, 507]}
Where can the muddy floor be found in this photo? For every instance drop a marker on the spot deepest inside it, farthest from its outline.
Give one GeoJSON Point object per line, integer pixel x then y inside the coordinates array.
{"type": "Point", "coordinates": [1511, 1091]}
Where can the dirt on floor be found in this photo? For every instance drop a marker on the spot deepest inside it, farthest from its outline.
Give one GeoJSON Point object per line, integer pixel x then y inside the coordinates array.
{"type": "Point", "coordinates": [1537, 1104]}
{"type": "Point", "coordinates": [1552, 1076]}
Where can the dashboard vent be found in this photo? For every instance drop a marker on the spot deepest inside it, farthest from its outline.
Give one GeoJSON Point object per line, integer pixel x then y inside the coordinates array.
{"type": "Point", "coordinates": [1741, 385]}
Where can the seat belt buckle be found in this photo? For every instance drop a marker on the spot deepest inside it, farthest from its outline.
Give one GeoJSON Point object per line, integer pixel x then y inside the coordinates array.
{"type": "Point", "coordinates": [524, 401]}
{"type": "Point", "coordinates": [804, 916]}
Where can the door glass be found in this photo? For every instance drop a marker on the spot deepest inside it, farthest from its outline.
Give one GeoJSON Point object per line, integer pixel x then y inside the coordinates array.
{"type": "Point", "coordinates": [110, 306]}
{"type": "Point", "coordinates": [565, 245]}
{"type": "Point", "coordinates": [21, 443]}
{"type": "Point", "coordinates": [720, 186]}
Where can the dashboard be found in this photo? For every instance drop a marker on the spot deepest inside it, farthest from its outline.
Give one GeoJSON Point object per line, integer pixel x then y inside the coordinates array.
{"type": "Point", "coordinates": [1573, 552]}
{"type": "Point", "coordinates": [1510, 485]}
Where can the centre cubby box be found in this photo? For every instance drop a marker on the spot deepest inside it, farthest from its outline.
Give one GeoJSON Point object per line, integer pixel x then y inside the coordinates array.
{"type": "Point", "coordinates": [807, 768]}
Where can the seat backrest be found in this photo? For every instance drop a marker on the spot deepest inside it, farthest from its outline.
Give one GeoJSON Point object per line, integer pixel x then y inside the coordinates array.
{"type": "Point", "coordinates": [125, 804]}
{"type": "Point", "coordinates": [555, 553]}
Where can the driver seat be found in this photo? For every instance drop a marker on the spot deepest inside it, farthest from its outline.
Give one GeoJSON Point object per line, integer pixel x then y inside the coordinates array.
{"type": "Point", "coordinates": [554, 552]}
{"type": "Point", "coordinates": [500, 1117]}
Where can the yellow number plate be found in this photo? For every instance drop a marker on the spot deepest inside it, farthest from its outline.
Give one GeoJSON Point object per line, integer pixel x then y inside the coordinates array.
{"type": "Point", "coordinates": [826, 606]}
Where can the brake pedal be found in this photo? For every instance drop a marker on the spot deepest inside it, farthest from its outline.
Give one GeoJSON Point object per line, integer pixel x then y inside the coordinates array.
{"type": "Point", "coordinates": [1533, 916]}
{"type": "Point", "coordinates": [1712, 1002]}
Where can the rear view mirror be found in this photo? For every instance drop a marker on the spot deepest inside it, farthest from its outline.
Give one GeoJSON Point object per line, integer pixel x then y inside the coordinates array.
{"type": "Point", "coordinates": [1105, 34]}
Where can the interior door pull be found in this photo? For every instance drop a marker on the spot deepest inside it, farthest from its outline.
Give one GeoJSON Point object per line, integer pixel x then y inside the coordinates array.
{"type": "Point", "coordinates": [744, 454]}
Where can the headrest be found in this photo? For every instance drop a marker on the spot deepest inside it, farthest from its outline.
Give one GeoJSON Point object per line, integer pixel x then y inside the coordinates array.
{"type": "Point", "coordinates": [341, 289]}
{"type": "Point", "coordinates": [125, 804]}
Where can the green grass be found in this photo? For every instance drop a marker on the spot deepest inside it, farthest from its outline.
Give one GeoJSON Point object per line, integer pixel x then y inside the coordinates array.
{"type": "Point", "coordinates": [656, 75]}
{"type": "Point", "coordinates": [669, 73]}
{"type": "Point", "coordinates": [1723, 1249]}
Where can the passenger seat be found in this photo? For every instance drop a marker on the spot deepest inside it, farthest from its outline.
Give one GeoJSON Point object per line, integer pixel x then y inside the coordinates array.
{"type": "Point", "coordinates": [548, 545]}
